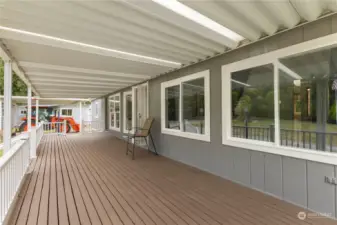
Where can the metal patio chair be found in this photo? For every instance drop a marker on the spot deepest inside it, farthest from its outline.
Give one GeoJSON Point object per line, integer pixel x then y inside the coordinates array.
{"type": "Point", "coordinates": [140, 132]}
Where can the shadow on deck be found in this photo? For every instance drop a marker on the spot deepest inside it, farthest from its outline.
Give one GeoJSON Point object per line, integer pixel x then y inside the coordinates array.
{"type": "Point", "coordinates": [88, 179]}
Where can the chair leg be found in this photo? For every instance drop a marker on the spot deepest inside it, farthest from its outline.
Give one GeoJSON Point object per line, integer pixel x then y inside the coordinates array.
{"type": "Point", "coordinates": [155, 150]}
{"type": "Point", "coordinates": [148, 147]}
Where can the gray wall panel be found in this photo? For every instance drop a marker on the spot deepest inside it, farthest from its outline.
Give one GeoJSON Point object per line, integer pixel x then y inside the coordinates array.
{"type": "Point", "coordinates": [242, 166]}
{"type": "Point", "coordinates": [321, 196]}
{"type": "Point", "coordinates": [295, 181]}
{"type": "Point", "coordinates": [273, 175]}
{"type": "Point", "coordinates": [257, 170]}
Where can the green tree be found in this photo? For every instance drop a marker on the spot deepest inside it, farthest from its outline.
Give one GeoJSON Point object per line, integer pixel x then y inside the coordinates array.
{"type": "Point", "coordinates": [19, 88]}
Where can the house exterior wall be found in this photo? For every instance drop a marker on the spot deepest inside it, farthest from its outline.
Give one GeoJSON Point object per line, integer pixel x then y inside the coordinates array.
{"type": "Point", "coordinates": [294, 180]}
{"type": "Point", "coordinates": [98, 112]}
{"type": "Point", "coordinates": [86, 116]}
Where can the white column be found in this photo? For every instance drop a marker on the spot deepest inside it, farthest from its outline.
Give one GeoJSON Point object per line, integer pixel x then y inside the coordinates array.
{"type": "Point", "coordinates": [29, 107]}
{"type": "Point", "coordinates": [7, 132]}
{"type": "Point", "coordinates": [81, 117]}
{"type": "Point", "coordinates": [37, 112]}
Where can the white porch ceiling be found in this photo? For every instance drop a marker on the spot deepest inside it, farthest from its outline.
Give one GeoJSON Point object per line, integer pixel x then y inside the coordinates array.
{"type": "Point", "coordinates": [158, 38]}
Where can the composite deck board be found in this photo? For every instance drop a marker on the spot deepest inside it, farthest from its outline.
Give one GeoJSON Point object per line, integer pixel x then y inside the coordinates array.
{"type": "Point", "coordinates": [88, 179]}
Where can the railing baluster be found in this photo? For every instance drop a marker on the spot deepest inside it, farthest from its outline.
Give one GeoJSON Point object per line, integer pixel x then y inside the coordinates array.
{"type": "Point", "coordinates": [303, 139]}
{"type": "Point", "coordinates": [330, 142]}
{"type": "Point", "coordinates": [310, 139]}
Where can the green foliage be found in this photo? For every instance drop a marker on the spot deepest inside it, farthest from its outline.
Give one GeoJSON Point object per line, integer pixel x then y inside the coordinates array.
{"type": "Point", "coordinates": [332, 112]}
{"type": "Point", "coordinates": [244, 104]}
{"type": "Point", "coordinates": [19, 88]}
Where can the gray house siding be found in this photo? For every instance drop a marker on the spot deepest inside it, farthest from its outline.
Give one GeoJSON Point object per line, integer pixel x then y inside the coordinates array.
{"type": "Point", "coordinates": [294, 180]}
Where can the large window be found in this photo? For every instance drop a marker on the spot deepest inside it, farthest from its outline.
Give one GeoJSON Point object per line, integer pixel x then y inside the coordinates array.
{"type": "Point", "coordinates": [114, 112]}
{"type": "Point", "coordinates": [283, 102]}
{"type": "Point", "coordinates": [185, 106]}
{"type": "Point", "coordinates": [253, 103]}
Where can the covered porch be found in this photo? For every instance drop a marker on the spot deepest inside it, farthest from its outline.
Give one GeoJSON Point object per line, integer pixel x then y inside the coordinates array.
{"type": "Point", "coordinates": [88, 179]}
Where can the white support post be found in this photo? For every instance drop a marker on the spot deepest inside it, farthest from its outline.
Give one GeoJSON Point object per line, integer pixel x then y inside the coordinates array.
{"type": "Point", "coordinates": [29, 107]}
{"type": "Point", "coordinates": [64, 127]}
{"type": "Point", "coordinates": [7, 132]}
{"type": "Point", "coordinates": [37, 112]}
{"type": "Point", "coordinates": [81, 117]}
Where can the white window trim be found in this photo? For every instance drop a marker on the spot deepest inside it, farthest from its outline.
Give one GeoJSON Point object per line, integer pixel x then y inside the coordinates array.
{"type": "Point", "coordinates": [124, 110]}
{"type": "Point", "coordinates": [203, 137]}
{"type": "Point", "coordinates": [66, 109]}
{"type": "Point", "coordinates": [110, 127]}
{"type": "Point", "coordinates": [271, 58]}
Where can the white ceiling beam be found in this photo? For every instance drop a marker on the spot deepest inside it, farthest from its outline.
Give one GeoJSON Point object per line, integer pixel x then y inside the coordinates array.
{"type": "Point", "coordinates": [308, 9]}
{"type": "Point", "coordinates": [67, 85]}
{"type": "Point", "coordinates": [216, 11]}
{"type": "Point", "coordinates": [169, 16]}
{"type": "Point", "coordinates": [283, 11]}
{"type": "Point", "coordinates": [52, 76]}
{"type": "Point", "coordinates": [54, 99]}
{"type": "Point", "coordinates": [29, 37]}
{"type": "Point", "coordinates": [58, 90]}
{"type": "Point", "coordinates": [82, 70]}
{"type": "Point", "coordinates": [67, 81]}
{"type": "Point", "coordinates": [68, 25]}
{"type": "Point", "coordinates": [6, 55]}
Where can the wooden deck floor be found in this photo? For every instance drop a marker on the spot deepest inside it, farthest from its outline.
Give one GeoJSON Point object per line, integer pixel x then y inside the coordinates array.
{"type": "Point", "coordinates": [89, 180]}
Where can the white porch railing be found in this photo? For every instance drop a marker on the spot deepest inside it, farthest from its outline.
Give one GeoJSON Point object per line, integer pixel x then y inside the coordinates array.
{"type": "Point", "coordinates": [13, 166]}
{"type": "Point", "coordinates": [93, 126]}
{"type": "Point", "coordinates": [55, 127]}
{"type": "Point", "coordinates": [39, 133]}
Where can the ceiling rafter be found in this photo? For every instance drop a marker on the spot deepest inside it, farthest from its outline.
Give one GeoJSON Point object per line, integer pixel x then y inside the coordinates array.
{"type": "Point", "coordinates": [82, 70]}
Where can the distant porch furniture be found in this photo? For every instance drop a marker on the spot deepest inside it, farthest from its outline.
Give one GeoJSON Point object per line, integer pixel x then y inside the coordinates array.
{"type": "Point", "coordinates": [140, 133]}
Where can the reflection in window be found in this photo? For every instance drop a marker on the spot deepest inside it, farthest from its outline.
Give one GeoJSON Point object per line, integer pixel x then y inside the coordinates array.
{"type": "Point", "coordinates": [194, 106]}
{"type": "Point", "coordinates": [172, 98]}
{"type": "Point", "coordinates": [308, 89]}
{"type": "Point", "coordinates": [253, 103]}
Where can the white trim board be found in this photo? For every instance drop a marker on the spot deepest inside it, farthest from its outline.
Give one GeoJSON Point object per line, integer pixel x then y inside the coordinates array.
{"type": "Point", "coordinates": [115, 128]}
{"type": "Point", "coordinates": [272, 58]}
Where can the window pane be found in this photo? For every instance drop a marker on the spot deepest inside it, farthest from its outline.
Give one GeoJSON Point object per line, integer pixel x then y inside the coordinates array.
{"type": "Point", "coordinates": [172, 107]}
{"type": "Point", "coordinates": [194, 106]}
{"type": "Point", "coordinates": [117, 120]}
{"type": "Point", "coordinates": [253, 103]}
{"type": "Point", "coordinates": [308, 93]}
{"type": "Point", "coordinates": [128, 112]}
{"type": "Point", "coordinates": [112, 119]}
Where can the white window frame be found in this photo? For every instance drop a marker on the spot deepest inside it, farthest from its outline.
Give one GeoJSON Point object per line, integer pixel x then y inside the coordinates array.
{"type": "Point", "coordinates": [124, 111]}
{"type": "Point", "coordinates": [110, 127]}
{"type": "Point", "coordinates": [264, 59]}
{"type": "Point", "coordinates": [72, 112]}
{"type": "Point", "coordinates": [203, 137]}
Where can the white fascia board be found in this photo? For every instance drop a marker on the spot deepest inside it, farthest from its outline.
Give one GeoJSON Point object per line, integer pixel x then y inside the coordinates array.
{"type": "Point", "coordinates": [42, 39]}
{"type": "Point", "coordinates": [40, 98]}
{"type": "Point", "coordinates": [67, 86]}
{"type": "Point", "coordinates": [83, 70]}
